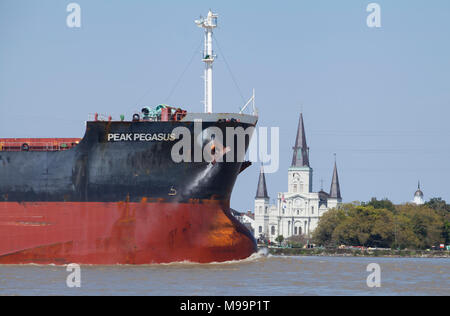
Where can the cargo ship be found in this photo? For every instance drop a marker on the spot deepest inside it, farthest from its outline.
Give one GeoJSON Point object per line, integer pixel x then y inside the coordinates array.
{"type": "Point", "coordinates": [118, 196]}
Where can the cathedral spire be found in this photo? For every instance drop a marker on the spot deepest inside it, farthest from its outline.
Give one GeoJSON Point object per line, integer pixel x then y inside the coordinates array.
{"type": "Point", "coordinates": [301, 150]}
{"type": "Point", "coordinates": [261, 192]}
{"type": "Point", "coordinates": [335, 190]}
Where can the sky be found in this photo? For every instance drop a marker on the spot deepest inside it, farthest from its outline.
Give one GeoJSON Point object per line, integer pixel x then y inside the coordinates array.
{"type": "Point", "coordinates": [377, 97]}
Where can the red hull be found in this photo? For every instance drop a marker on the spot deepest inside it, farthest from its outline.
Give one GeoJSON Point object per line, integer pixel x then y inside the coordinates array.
{"type": "Point", "coordinates": [120, 233]}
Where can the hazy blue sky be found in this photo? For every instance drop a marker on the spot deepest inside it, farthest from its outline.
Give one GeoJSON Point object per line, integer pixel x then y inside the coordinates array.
{"type": "Point", "coordinates": [379, 98]}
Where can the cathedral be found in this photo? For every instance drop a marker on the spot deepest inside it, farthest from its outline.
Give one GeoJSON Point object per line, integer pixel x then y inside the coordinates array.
{"type": "Point", "coordinates": [297, 211]}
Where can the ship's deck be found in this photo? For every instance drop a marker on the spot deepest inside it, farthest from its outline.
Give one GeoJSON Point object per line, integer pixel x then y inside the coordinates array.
{"type": "Point", "coordinates": [60, 144]}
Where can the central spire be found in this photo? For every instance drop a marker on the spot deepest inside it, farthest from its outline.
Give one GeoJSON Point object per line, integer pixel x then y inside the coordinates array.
{"type": "Point", "coordinates": [335, 190]}
{"type": "Point", "coordinates": [301, 150]}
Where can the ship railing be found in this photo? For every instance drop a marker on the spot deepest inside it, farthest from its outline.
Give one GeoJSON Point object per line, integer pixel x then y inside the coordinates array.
{"type": "Point", "coordinates": [36, 146]}
{"type": "Point", "coordinates": [167, 114]}
{"type": "Point", "coordinates": [161, 118]}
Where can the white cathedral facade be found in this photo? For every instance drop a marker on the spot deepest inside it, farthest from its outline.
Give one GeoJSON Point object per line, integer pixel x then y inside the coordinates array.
{"type": "Point", "coordinates": [297, 211]}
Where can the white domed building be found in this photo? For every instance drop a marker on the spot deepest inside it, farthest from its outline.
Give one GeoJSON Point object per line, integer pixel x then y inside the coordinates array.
{"type": "Point", "coordinates": [418, 196]}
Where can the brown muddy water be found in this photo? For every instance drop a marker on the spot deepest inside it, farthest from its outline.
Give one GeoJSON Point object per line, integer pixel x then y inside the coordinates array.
{"type": "Point", "coordinates": [258, 275]}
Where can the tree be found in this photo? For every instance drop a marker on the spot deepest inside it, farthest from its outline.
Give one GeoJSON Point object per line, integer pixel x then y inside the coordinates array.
{"type": "Point", "coordinates": [380, 204]}
{"type": "Point", "coordinates": [368, 224]}
{"type": "Point", "coordinates": [297, 241]}
{"type": "Point", "coordinates": [323, 234]}
{"type": "Point", "coordinates": [279, 239]}
{"type": "Point", "coordinates": [422, 225]}
{"type": "Point", "coordinates": [446, 232]}
{"type": "Point", "coordinates": [443, 209]}
{"type": "Point", "coordinates": [438, 204]}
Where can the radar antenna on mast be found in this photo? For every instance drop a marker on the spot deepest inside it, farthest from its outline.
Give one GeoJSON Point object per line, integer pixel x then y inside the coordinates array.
{"type": "Point", "coordinates": [209, 23]}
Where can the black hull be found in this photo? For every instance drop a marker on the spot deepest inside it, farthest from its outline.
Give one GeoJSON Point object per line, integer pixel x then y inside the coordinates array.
{"type": "Point", "coordinates": [98, 170]}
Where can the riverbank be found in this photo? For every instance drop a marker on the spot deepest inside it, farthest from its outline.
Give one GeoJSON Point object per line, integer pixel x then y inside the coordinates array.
{"type": "Point", "coordinates": [357, 253]}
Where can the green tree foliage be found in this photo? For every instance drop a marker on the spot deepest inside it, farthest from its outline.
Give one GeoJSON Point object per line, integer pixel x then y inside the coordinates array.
{"type": "Point", "coordinates": [438, 204]}
{"type": "Point", "coordinates": [446, 232]}
{"type": "Point", "coordinates": [383, 225]}
{"type": "Point", "coordinates": [279, 239]}
{"type": "Point", "coordinates": [324, 233]}
{"type": "Point", "coordinates": [385, 203]}
{"type": "Point", "coordinates": [418, 227]}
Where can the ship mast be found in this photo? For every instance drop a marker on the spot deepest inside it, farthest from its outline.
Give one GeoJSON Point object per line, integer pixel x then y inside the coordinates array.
{"type": "Point", "coordinates": [209, 23]}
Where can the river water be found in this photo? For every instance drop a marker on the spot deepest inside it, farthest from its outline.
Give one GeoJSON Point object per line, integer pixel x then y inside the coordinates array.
{"type": "Point", "coordinates": [258, 275]}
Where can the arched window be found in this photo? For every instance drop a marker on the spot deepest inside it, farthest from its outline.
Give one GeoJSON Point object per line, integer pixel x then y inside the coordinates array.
{"type": "Point", "coordinates": [273, 230]}
{"type": "Point", "coordinates": [295, 230]}
{"type": "Point", "coordinates": [260, 229]}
